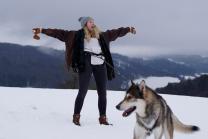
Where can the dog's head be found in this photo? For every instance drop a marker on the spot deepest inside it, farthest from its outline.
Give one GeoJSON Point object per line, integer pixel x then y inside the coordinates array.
{"type": "Point", "coordinates": [134, 100]}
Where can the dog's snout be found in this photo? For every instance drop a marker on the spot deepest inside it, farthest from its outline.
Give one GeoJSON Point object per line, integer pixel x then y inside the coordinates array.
{"type": "Point", "coordinates": [118, 107]}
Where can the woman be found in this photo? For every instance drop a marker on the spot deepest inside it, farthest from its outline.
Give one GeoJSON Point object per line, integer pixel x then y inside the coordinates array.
{"type": "Point", "coordinates": [87, 51]}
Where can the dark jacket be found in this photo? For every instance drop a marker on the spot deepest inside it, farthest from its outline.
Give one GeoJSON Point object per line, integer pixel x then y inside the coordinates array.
{"type": "Point", "coordinates": [74, 41]}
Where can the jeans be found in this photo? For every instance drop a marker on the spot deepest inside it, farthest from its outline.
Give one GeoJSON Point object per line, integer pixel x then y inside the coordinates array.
{"type": "Point", "coordinates": [100, 74]}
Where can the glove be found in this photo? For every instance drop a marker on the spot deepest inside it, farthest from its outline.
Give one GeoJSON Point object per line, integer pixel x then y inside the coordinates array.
{"type": "Point", "coordinates": [36, 31]}
{"type": "Point", "coordinates": [132, 30]}
{"type": "Point", "coordinates": [35, 36]}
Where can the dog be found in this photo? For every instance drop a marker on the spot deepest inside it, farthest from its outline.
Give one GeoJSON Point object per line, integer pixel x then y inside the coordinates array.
{"type": "Point", "coordinates": [153, 115]}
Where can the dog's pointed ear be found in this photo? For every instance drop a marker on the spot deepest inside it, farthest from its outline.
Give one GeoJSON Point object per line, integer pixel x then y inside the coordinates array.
{"type": "Point", "coordinates": [142, 85]}
{"type": "Point", "coordinates": [132, 82]}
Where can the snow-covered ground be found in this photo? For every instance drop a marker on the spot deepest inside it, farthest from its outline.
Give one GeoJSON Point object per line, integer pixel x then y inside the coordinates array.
{"type": "Point", "coordinates": [28, 113]}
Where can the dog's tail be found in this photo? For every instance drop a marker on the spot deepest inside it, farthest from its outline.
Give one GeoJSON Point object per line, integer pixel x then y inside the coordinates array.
{"type": "Point", "coordinates": [179, 126]}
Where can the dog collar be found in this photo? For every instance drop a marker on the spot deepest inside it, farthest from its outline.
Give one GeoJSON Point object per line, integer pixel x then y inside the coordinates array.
{"type": "Point", "coordinates": [149, 130]}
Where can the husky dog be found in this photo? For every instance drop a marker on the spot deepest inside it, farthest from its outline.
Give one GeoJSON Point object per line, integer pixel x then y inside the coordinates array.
{"type": "Point", "coordinates": [153, 115]}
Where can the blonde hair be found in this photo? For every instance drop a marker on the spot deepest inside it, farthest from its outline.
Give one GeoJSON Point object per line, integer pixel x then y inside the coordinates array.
{"type": "Point", "coordinates": [95, 33]}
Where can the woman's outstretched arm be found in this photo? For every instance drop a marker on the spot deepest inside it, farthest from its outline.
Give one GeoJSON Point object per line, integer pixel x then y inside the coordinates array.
{"type": "Point", "coordinates": [113, 34]}
{"type": "Point", "coordinates": [60, 34]}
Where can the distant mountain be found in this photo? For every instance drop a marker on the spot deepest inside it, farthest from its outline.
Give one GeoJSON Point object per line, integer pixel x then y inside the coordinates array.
{"type": "Point", "coordinates": [24, 66]}
{"type": "Point", "coordinates": [134, 68]}
{"type": "Point", "coordinates": [198, 63]}
{"type": "Point", "coordinates": [190, 87]}
{"type": "Point", "coordinates": [45, 68]}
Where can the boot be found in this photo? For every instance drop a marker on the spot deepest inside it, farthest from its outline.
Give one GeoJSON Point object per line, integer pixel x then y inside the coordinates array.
{"type": "Point", "coordinates": [103, 120]}
{"type": "Point", "coordinates": [76, 118]}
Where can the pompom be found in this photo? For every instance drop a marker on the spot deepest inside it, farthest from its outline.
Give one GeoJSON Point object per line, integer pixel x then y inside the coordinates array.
{"type": "Point", "coordinates": [80, 19]}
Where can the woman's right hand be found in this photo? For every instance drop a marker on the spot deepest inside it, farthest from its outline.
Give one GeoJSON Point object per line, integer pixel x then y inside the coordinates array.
{"type": "Point", "coordinates": [36, 32]}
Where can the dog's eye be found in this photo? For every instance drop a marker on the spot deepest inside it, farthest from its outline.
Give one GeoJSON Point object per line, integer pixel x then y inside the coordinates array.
{"type": "Point", "coordinates": [129, 97]}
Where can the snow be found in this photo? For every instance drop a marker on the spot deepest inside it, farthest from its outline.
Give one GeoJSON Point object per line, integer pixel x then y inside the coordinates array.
{"type": "Point", "coordinates": [29, 113]}
{"type": "Point", "coordinates": [122, 64]}
{"type": "Point", "coordinates": [156, 82]}
{"type": "Point", "coordinates": [177, 62]}
{"type": "Point", "coordinates": [200, 74]}
{"type": "Point", "coordinates": [186, 77]}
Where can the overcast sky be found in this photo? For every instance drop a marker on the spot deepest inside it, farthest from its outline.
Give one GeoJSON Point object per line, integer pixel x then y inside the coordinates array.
{"type": "Point", "coordinates": [163, 26]}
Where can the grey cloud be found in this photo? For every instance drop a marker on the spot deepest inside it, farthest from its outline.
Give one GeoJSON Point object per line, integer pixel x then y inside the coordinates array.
{"type": "Point", "coordinates": [162, 26]}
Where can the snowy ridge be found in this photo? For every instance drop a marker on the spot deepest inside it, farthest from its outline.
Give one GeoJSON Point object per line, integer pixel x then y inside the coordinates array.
{"type": "Point", "coordinates": [186, 77]}
{"type": "Point", "coordinates": [177, 62]}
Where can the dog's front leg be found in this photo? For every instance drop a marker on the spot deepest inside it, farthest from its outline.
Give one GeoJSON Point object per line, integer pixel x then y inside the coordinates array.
{"type": "Point", "coordinates": [158, 132]}
{"type": "Point", "coordinates": [139, 132]}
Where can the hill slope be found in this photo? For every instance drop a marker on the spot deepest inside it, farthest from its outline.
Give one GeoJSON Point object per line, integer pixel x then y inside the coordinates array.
{"type": "Point", "coordinates": [190, 87]}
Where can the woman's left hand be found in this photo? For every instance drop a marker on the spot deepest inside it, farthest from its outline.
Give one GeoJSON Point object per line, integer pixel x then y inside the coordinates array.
{"type": "Point", "coordinates": [132, 30]}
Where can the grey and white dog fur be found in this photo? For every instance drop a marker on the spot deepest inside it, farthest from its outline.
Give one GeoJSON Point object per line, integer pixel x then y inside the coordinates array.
{"type": "Point", "coordinates": [153, 115]}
